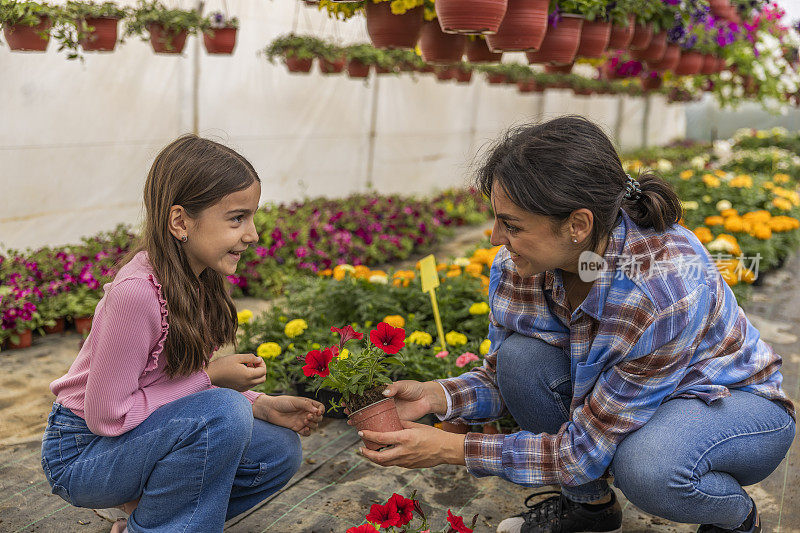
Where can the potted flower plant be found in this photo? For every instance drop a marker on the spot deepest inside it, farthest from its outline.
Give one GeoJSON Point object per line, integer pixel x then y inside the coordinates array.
{"type": "Point", "coordinates": [219, 33]}
{"type": "Point", "coordinates": [360, 376]}
{"type": "Point", "coordinates": [80, 305]}
{"type": "Point", "coordinates": [26, 25]}
{"type": "Point", "coordinates": [54, 306]}
{"type": "Point", "coordinates": [471, 16]}
{"type": "Point", "coordinates": [523, 27]}
{"type": "Point", "coordinates": [623, 22]}
{"type": "Point", "coordinates": [565, 23]}
{"type": "Point", "coordinates": [167, 28]}
{"type": "Point", "coordinates": [298, 52]}
{"type": "Point", "coordinates": [96, 24]}
{"type": "Point", "coordinates": [361, 58]}
{"type": "Point", "coordinates": [332, 59]}
{"type": "Point", "coordinates": [596, 30]}
{"type": "Point", "coordinates": [19, 316]}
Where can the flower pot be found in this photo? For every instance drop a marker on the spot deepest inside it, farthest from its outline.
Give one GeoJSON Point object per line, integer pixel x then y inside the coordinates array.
{"type": "Point", "coordinates": [446, 73]}
{"type": "Point", "coordinates": [719, 8]}
{"type": "Point", "coordinates": [655, 50]}
{"type": "Point", "coordinates": [595, 35]}
{"type": "Point", "coordinates": [583, 91]}
{"type": "Point", "coordinates": [440, 48]}
{"type": "Point", "coordinates": [26, 38]}
{"type": "Point", "coordinates": [523, 27]}
{"type": "Point", "coordinates": [709, 64]}
{"type": "Point", "coordinates": [470, 16]}
{"type": "Point", "coordinates": [452, 427]}
{"type": "Point", "coordinates": [384, 70]}
{"type": "Point", "coordinates": [496, 79]}
{"type": "Point", "coordinates": [166, 42]}
{"type": "Point", "coordinates": [103, 38]}
{"type": "Point", "coordinates": [380, 416]}
{"type": "Point", "coordinates": [25, 340]}
{"type": "Point", "coordinates": [560, 43]}
{"type": "Point", "coordinates": [642, 35]}
{"type": "Point", "coordinates": [670, 60]}
{"type": "Point", "coordinates": [691, 63]}
{"type": "Point", "coordinates": [651, 84]}
{"type": "Point", "coordinates": [387, 30]}
{"type": "Point", "coordinates": [621, 36]}
{"type": "Point", "coordinates": [357, 69]}
{"type": "Point", "coordinates": [331, 67]}
{"type": "Point", "coordinates": [296, 64]}
{"type": "Point", "coordinates": [463, 76]}
{"type": "Point", "coordinates": [478, 52]}
{"type": "Point", "coordinates": [223, 41]}
{"type": "Point", "coordinates": [558, 69]}
{"type": "Point", "coordinates": [83, 324]}
{"type": "Point", "coordinates": [528, 86]}
{"type": "Point", "coordinates": [58, 327]}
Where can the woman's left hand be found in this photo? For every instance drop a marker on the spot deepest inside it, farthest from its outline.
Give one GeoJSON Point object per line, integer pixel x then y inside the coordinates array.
{"type": "Point", "coordinates": [416, 446]}
{"type": "Point", "coordinates": [298, 414]}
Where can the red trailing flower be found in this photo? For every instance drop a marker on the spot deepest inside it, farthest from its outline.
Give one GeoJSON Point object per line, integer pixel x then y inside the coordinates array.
{"type": "Point", "coordinates": [388, 338]}
{"type": "Point", "coordinates": [346, 334]}
{"type": "Point", "coordinates": [383, 515]}
{"type": "Point", "coordinates": [457, 523]}
{"type": "Point", "coordinates": [363, 528]}
{"type": "Point", "coordinates": [317, 362]}
{"type": "Point", "coordinates": [404, 507]}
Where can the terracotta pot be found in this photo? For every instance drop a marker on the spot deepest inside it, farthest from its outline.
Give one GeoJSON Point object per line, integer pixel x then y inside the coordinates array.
{"type": "Point", "coordinates": [452, 427]}
{"type": "Point", "coordinates": [222, 42]}
{"type": "Point", "coordinates": [651, 84]}
{"type": "Point", "coordinates": [560, 43]}
{"type": "Point", "coordinates": [103, 38]}
{"type": "Point", "coordinates": [470, 16]}
{"type": "Point", "coordinates": [558, 69]}
{"type": "Point", "coordinates": [332, 67]}
{"type": "Point", "coordinates": [58, 327]}
{"type": "Point", "coordinates": [25, 340]}
{"type": "Point", "coordinates": [583, 91]}
{"type": "Point", "coordinates": [446, 73]}
{"type": "Point", "coordinates": [719, 8]}
{"type": "Point", "coordinates": [523, 27]}
{"type": "Point", "coordinates": [440, 48]}
{"type": "Point", "coordinates": [166, 42]}
{"type": "Point", "coordinates": [83, 324]}
{"type": "Point", "coordinates": [357, 69]}
{"type": "Point", "coordinates": [528, 86]}
{"type": "Point", "coordinates": [295, 64]}
{"type": "Point", "coordinates": [463, 76]}
{"type": "Point", "coordinates": [380, 416]}
{"type": "Point", "coordinates": [478, 52]}
{"type": "Point", "coordinates": [642, 35]}
{"type": "Point", "coordinates": [709, 64]}
{"type": "Point", "coordinates": [655, 50]}
{"type": "Point", "coordinates": [26, 38]}
{"type": "Point", "coordinates": [621, 36]}
{"type": "Point", "coordinates": [496, 79]}
{"type": "Point", "coordinates": [691, 63]}
{"type": "Point", "coordinates": [386, 70]}
{"type": "Point", "coordinates": [721, 65]}
{"type": "Point", "coordinates": [672, 55]}
{"type": "Point", "coordinates": [595, 35]}
{"type": "Point", "coordinates": [393, 31]}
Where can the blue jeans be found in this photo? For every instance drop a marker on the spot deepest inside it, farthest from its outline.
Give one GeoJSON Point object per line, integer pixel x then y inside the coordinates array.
{"type": "Point", "coordinates": [686, 464]}
{"type": "Point", "coordinates": [194, 462]}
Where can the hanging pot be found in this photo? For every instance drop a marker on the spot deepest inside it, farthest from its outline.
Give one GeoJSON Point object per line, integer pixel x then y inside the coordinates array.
{"type": "Point", "coordinates": [336, 66]}
{"type": "Point", "coordinates": [651, 84]}
{"type": "Point", "coordinates": [558, 69]}
{"type": "Point", "coordinates": [621, 36]}
{"type": "Point", "coordinates": [642, 35]}
{"type": "Point", "coordinates": [26, 38]}
{"type": "Point", "coordinates": [523, 27]}
{"type": "Point", "coordinates": [595, 35]}
{"type": "Point", "coordinates": [445, 73]}
{"type": "Point", "coordinates": [719, 8]}
{"type": "Point", "coordinates": [357, 69]}
{"type": "Point", "coordinates": [496, 79]}
{"type": "Point", "coordinates": [560, 43]}
{"type": "Point", "coordinates": [463, 76]}
{"type": "Point", "coordinates": [477, 51]}
{"type": "Point", "coordinates": [528, 86]}
{"type": "Point", "coordinates": [220, 40]}
{"type": "Point", "coordinates": [691, 63]}
{"type": "Point", "coordinates": [655, 50]}
{"type": "Point", "coordinates": [709, 65]}
{"type": "Point", "coordinates": [296, 64]}
{"type": "Point", "coordinates": [387, 30]}
{"type": "Point", "coordinates": [438, 47]}
{"type": "Point", "coordinates": [103, 38]}
{"type": "Point", "coordinates": [166, 42]}
{"type": "Point", "coordinates": [672, 55]}
{"type": "Point", "coordinates": [470, 16]}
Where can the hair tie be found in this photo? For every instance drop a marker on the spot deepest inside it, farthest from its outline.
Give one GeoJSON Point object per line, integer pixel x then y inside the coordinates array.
{"type": "Point", "coordinates": [633, 191]}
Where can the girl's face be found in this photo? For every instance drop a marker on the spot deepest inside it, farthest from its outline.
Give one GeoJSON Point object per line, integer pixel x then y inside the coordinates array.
{"type": "Point", "coordinates": [217, 238]}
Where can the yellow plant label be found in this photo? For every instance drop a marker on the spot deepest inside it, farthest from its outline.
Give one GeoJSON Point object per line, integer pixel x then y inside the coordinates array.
{"type": "Point", "coordinates": [428, 274]}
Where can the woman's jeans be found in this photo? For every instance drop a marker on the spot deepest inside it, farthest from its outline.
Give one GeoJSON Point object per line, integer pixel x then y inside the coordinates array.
{"type": "Point", "coordinates": [686, 464]}
{"type": "Point", "coordinates": [194, 462]}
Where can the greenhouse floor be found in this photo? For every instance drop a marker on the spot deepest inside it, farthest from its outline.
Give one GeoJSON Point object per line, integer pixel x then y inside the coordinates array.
{"type": "Point", "coordinates": [335, 486]}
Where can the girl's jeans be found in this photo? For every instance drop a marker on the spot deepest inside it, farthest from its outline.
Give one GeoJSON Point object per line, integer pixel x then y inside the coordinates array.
{"type": "Point", "coordinates": [686, 464]}
{"type": "Point", "coordinates": [194, 462]}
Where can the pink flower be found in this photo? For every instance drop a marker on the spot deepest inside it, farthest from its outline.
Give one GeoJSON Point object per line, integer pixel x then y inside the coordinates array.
{"type": "Point", "coordinates": [466, 358]}
{"type": "Point", "coordinates": [442, 354]}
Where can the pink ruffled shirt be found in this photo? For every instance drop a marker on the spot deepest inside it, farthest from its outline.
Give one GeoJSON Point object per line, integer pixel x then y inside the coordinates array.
{"type": "Point", "coordinates": [118, 378]}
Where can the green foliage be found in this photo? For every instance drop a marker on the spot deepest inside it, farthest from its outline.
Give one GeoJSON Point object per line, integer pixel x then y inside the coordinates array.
{"type": "Point", "coordinates": [81, 302]}
{"type": "Point", "coordinates": [590, 9]}
{"type": "Point", "coordinates": [173, 21]}
{"type": "Point", "coordinates": [297, 46]}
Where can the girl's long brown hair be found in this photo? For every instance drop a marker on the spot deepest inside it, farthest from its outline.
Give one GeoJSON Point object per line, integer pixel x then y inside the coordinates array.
{"type": "Point", "coordinates": [195, 173]}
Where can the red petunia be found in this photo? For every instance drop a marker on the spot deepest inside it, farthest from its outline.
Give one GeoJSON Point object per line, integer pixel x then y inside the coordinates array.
{"type": "Point", "coordinates": [363, 528]}
{"type": "Point", "coordinates": [457, 523]}
{"type": "Point", "coordinates": [388, 338]}
{"type": "Point", "coordinates": [347, 333]}
{"type": "Point", "coordinates": [317, 362]}
{"type": "Point", "coordinates": [404, 506]}
{"type": "Point", "coordinates": [383, 515]}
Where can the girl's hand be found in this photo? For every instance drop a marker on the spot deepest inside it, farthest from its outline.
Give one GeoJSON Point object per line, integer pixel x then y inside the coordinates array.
{"type": "Point", "coordinates": [241, 371]}
{"type": "Point", "coordinates": [416, 446]}
{"type": "Point", "coordinates": [298, 414]}
{"type": "Point", "coordinates": [415, 399]}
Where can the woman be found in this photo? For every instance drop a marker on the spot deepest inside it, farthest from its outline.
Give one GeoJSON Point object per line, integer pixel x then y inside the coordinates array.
{"type": "Point", "coordinates": [646, 369]}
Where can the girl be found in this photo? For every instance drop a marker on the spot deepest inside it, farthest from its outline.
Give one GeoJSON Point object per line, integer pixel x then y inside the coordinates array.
{"type": "Point", "coordinates": [142, 414]}
{"type": "Point", "coordinates": [615, 344]}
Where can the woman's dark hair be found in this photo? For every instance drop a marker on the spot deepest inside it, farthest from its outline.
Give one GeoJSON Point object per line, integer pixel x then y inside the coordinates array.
{"type": "Point", "coordinates": [568, 163]}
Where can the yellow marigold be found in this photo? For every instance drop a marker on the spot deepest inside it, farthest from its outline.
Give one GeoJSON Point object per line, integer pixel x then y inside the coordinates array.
{"type": "Point", "coordinates": [768, 185]}
{"type": "Point", "coordinates": [404, 274]}
{"type": "Point", "coordinates": [703, 234]}
{"type": "Point", "coordinates": [295, 327]}
{"type": "Point", "coordinates": [327, 272]}
{"type": "Point", "coordinates": [714, 221]}
{"type": "Point", "coordinates": [485, 346]}
{"type": "Point", "coordinates": [480, 308]}
{"type": "Point", "coordinates": [782, 203]}
{"type": "Point", "coordinates": [729, 212]}
{"type": "Point", "coordinates": [762, 232]}
{"type": "Point", "coordinates": [396, 321]}
{"type": "Point", "coordinates": [734, 224]}
{"type": "Point", "coordinates": [729, 277]}
{"type": "Point", "coordinates": [268, 350]}
{"type": "Point", "coordinates": [361, 271]}
{"type": "Point", "coordinates": [720, 173]}
{"type": "Point", "coordinates": [487, 232]}
{"type": "Point", "coordinates": [420, 338]}
{"type": "Point", "coordinates": [441, 266]}
{"type": "Point", "coordinates": [781, 178]}
{"type": "Point", "coordinates": [686, 174]}
{"type": "Point", "coordinates": [725, 244]}
{"type": "Point", "coordinates": [484, 281]}
{"type": "Point", "coordinates": [711, 181]}
{"type": "Point", "coordinates": [742, 181]}
{"type": "Point", "coordinates": [454, 338]}
{"type": "Point", "coordinates": [748, 276]}
{"type": "Point", "coordinates": [474, 269]}
{"type": "Point", "coordinates": [339, 271]}
{"type": "Point", "coordinates": [454, 272]}
{"type": "Point", "coordinates": [244, 316]}
{"type": "Point", "coordinates": [757, 216]}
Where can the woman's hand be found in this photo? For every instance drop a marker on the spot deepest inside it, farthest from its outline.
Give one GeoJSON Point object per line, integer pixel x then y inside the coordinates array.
{"type": "Point", "coordinates": [416, 446]}
{"type": "Point", "coordinates": [415, 399]}
{"type": "Point", "coordinates": [241, 371]}
{"type": "Point", "coordinates": [298, 414]}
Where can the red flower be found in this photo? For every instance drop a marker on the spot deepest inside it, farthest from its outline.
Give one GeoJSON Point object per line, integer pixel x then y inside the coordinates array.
{"type": "Point", "coordinates": [457, 523]}
{"type": "Point", "coordinates": [363, 528]}
{"type": "Point", "coordinates": [388, 338]}
{"type": "Point", "coordinates": [347, 333]}
{"type": "Point", "coordinates": [404, 507]}
{"type": "Point", "coordinates": [317, 362]}
{"type": "Point", "coordinates": [384, 515]}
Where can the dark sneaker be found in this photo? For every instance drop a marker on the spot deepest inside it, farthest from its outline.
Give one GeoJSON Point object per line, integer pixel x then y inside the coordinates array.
{"type": "Point", "coordinates": [557, 514]}
{"type": "Point", "coordinates": [755, 525]}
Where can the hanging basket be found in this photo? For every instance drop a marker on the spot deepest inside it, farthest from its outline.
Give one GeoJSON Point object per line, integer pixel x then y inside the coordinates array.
{"type": "Point", "coordinates": [595, 35]}
{"type": "Point", "coordinates": [463, 76]}
{"type": "Point", "coordinates": [446, 73]}
{"type": "Point", "coordinates": [621, 36]}
{"type": "Point", "coordinates": [296, 64]}
{"type": "Point", "coordinates": [709, 65]}
{"type": "Point", "coordinates": [220, 41]}
{"type": "Point", "coordinates": [332, 67]}
{"type": "Point", "coordinates": [651, 84]}
{"type": "Point", "coordinates": [440, 48]}
{"type": "Point", "coordinates": [523, 27]}
{"type": "Point", "coordinates": [26, 38]}
{"type": "Point", "coordinates": [103, 38]}
{"type": "Point", "coordinates": [691, 63]}
{"type": "Point", "coordinates": [470, 16]}
{"type": "Point", "coordinates": [529, 86]}
{"type": "Point", "coordinates": [166, 42]}
{"type": "Point", "coordinates": [642, 35]}
{"type": "Point", "coordinates": [719, 8]}
{"type": "Point", "coordinates": [560, 43]}
{"type": "Point", "coordinates": [670, 59]}
{"type": "Point", "coordinates": [387, 30]}
{"type": "Point", "coordinates": [496, 79]}
{"type": "Point", "coordinates": [357, 69]}
{"type": "Point", "coordinates": [477, 51]}
{"type": "Point", "coordinates": [655, 50]}
{"type": "Point", "coordinates": [558, 69]}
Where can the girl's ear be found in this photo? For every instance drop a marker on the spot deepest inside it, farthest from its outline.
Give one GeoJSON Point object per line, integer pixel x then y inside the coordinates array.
{"type": "Point", "coordinates": [178, 222]}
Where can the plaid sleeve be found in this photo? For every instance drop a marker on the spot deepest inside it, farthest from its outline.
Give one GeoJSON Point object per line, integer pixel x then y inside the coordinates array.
{"type": "Point", "coordinates": [623, 399]}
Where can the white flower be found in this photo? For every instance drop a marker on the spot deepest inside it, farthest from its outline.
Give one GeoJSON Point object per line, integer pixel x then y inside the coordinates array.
{"type": "Point", "coordinates": [758, 72]}
{"type": "Point", "coordinates": [726, 75]}
{"type": "Point", "coordinates": [664, 165]}
{"type": "Point", "coordinates": [698, 162]}
{"type": "Point", "coordinates": [722, 205]}
{"type": "Point", "coordinates": [690, 205]}
{"type": "Point", "coordinates": [378, 278]}
{"type": "Point", "coordinates": [461, 261]}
